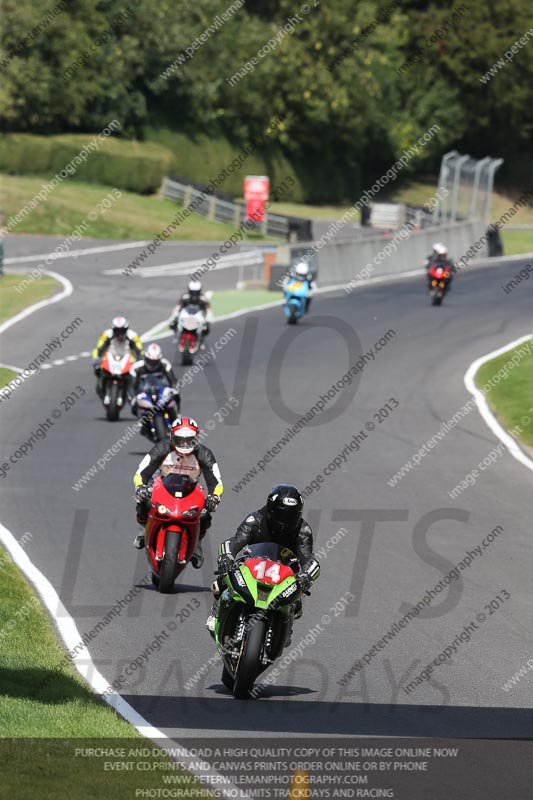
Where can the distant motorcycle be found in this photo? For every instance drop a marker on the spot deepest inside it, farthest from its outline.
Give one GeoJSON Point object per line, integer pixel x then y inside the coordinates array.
{"type": "Point", "coordinates": [157, 408]}
{"type": "Point", "coordinates": [439, 281]}
{"type": "Point", "coordinates": [115, 378]}
{"type": "Point", "coordinates": [190, 327]}
{"type": "Point", "coordinates": [296, 294]}
{"type": "Point", "coordinates": [255, 614]}
{"type": "Point", "coordinates": [173, 527]}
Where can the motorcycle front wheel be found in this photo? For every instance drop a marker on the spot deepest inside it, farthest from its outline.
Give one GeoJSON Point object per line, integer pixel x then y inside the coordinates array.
{"type": "Point", "coordinates": [249, 665]}
{"type": "Point", "coordinates": [112, 408]}
{"type": "Point", "coordinates": [167, 571]}
{"type": "Point", "coordinates": [292, 319]}
{"type": "Point", "coordinates": [227, 678]}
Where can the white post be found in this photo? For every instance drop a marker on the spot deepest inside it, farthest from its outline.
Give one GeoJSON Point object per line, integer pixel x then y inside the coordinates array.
{"type": "Point", "coordinates": [475, 188]}
{"type": "Point", "coordinates": [496, 163]}
{"type": "Point", "coordinates": [457, 173]}
{"type": "Point", "coordinates": [443, 180]}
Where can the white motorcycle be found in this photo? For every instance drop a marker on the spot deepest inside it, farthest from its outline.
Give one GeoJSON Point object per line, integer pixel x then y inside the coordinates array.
{"type": "Point", "coordinates": [190, 333]}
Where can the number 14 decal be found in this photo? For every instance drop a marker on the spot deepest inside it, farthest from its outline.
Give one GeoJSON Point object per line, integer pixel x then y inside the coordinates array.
{"type": "Point", "coordinates": [272, 572]}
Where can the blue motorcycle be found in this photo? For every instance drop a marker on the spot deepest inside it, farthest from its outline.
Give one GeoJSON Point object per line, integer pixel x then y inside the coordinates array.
{"type": "Point", "coordinates": [157, 407]}
{"type": "Point", "coordinates": [296, 294]}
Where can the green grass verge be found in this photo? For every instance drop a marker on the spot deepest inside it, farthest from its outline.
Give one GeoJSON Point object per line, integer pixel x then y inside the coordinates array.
{"type": "Point", "coordinates": [511, 400]}
{"type": "Point", "coordinates": [131, 216]}
{"type": "Point", "coordinates": [517, 242]}
{"type": "Point", "coordinates": [11, 301]}
{"type": "Point", "coordinates": [235, 300]}
{"type": "Point", "coordinates": [6, 375]}
{"type": "Point", "coordinates": [42, 695]}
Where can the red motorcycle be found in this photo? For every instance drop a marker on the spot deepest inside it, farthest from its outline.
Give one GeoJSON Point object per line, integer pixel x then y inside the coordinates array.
{"type": "Point", "coordinates": [173, 527]}
{"type": "Point", "coordinates": [439, 280]}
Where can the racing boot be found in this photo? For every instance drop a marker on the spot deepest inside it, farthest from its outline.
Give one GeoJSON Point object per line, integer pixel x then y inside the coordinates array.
{"type": "Point", "coordinates": [197, 558]}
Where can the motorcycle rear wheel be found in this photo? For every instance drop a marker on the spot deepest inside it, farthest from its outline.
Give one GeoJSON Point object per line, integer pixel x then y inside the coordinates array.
{"type": "Point", "coordinates": [249, 665]}
{"type": "Point", "coordinates": [161, 430]}
{"type": "Point", "coordinates": [167, 571]}
{"type": "Point", "coordinates": [186, 359]}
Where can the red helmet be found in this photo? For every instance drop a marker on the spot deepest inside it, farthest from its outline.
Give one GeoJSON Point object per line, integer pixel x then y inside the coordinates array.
{"type": "Point", "coordinates": [184, 435]}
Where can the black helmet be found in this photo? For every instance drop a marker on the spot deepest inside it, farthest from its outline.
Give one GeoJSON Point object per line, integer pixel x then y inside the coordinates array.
{"type": "Point", "coordinates": [284, 508]}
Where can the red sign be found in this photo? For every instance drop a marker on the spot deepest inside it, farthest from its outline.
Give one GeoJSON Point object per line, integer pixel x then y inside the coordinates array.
{"type": "Point", "coordinates": [256, 190]}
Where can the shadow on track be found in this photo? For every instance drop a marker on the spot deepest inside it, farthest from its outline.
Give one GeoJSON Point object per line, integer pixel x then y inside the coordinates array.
{"type": "Point", "coordinates": [319, 717]}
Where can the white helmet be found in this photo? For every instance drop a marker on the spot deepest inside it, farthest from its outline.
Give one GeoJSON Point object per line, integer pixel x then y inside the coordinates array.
{"type": "Point", "coordinates": [119, 326]}
{"type": "Point", "coordinates": [152, 357]}
{"type": "Point", "coordinates": [440, 249]}
{"type": "Point", "coordinates": [301, 269]}
{"type": "Point", "coordinates": [194, 287]}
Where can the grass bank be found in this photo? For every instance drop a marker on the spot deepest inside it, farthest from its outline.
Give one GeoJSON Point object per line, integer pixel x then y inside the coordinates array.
{"type": "Point", "coordinates": [511, 400]}
{"type": "Point", "coordinates": [130, 216]}
{"type": "Point", "coordinates": [11, 301]}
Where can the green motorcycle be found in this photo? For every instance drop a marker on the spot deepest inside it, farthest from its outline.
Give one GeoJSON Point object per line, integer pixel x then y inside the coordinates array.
{"type": "Point", "coordinates": [255, 614]}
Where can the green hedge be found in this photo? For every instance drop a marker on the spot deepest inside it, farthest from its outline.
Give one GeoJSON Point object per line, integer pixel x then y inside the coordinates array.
{"type": "Point", "coordinates": [201, 159]}
{"type": "Point", "coordinates": [134, 166]}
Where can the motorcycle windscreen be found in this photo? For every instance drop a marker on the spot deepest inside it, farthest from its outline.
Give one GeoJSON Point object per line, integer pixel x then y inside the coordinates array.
{"type": "Point", "coordinates": [269, 550]}
{"type": "Point", "coordinates": [178, 485]}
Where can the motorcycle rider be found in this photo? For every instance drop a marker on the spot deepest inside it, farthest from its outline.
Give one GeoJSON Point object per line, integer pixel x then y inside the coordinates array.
{"type": "Point", "coordinates": [300, 272]}
{"type": "Point", "coordinates": [434, 253]}
{"type": "Point", "coordinates": [118, 332]}
{"type": "Point", "coordinates": [440, 258]}
{"type": "Point", "coordinates": [153, 365]}
{"type": "Point", "coordinates": [180, 453]}
{"type": "Point", "coordinates": [280, 521]}
{"type": "Point", "coordinates": [193, 297]}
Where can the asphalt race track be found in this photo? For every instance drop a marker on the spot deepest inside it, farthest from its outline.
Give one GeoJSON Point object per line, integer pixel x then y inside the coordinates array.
{"type": "Point", "coordinates": [400, 541]}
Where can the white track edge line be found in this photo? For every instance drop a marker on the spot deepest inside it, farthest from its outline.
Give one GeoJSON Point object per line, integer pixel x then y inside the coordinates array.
{"type": "Point", "coordinates": [483, 407]}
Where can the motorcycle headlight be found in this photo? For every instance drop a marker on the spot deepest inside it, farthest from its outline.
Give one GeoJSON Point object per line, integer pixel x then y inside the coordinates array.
{"type": "Point", "coordinates": [162, 510]}
{"type": "Point", "coordinates": [191, 512]}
